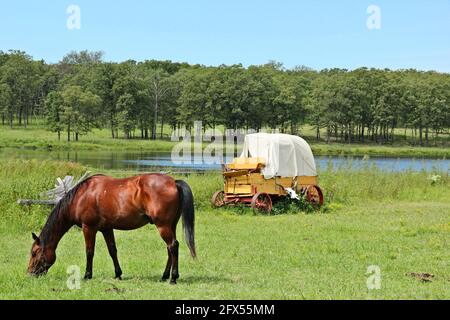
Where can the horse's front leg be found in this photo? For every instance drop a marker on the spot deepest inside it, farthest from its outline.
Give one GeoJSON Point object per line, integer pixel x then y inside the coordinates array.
{"type": "Point", "coordinates": [111, 243]}
{"type": "Point", "coordinates": [89, 238]}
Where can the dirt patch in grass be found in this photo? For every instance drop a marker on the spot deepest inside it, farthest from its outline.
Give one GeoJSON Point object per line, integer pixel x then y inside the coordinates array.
{"type": "Point", "coordinates": [422, 276]}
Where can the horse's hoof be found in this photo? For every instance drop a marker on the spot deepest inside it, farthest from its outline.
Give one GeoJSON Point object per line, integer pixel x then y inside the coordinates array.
{"type": "Point", "coordinates": [165, 277]}
{"type": "Point", "coordinates": [118, 278]}
{"type": "Point", "coordinates": [173, 281]}
{"type": "Point", "coordinates": [87, 276]}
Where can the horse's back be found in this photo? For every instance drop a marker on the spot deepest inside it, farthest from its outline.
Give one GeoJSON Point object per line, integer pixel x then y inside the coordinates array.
{"type": "Point", "coordinates": [125, 203]}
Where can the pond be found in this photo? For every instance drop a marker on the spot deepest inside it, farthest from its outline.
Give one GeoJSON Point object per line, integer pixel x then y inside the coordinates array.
{"type": "Point", "coordinates": [161, 161]}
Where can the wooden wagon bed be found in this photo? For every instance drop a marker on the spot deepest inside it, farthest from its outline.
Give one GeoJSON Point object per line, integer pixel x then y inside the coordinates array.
{"type": "Point", "coordinates": [245, 184]}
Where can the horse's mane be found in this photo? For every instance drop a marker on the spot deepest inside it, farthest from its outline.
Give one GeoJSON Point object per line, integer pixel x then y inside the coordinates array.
{"type": "Point", "coordinates": [61, 208]}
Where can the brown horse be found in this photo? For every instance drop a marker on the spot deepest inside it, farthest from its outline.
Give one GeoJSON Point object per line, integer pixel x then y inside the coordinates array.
{"type": "Point", "coordinates": [102, 203]}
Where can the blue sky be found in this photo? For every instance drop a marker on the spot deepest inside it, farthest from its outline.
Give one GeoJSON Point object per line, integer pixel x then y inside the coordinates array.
{"type": "Point", "coordinates": [318, 34]}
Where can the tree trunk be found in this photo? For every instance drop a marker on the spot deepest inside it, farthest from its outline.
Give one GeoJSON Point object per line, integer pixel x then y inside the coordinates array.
{"type": "Point", "coordinates": [421, 135]}
{"type": "Point", "coordinates": [392, 133]}
{"type": "Point", "coordinates": [68, 132]}
{"type": "Point", "coordinates": [436, 137]}
{"type": "Point", "coordinates": [328, 134]}
{"type": "Point", "coordinates": [155, 119]}
{"type": "Point", "coordinates": [113, 134]}
{"type": "Point", "coordinates": [349, 133]}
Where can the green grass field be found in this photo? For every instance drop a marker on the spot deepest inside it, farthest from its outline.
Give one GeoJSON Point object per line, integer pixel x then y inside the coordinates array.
{"type": "Point", "coordinates": [397, 221]}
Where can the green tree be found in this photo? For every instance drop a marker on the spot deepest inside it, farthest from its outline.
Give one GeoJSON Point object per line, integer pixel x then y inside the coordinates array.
{"type": "Point", "coordinates": [20, 74]}
{"type": "Point", "coordinates": [83, 57]}
{"type": "Point", "coordinates": [126, 114]}
{"type": "Point", "coordinates": [159, 84]}
{"type": "Point", "coordinates": [54, 106]}
{"type": "Point", "coordinates": [6, 103]}
{"type": "Point", "coordinates": [80, 110]}
{"type": "Point", "coordinates": [103, 80]}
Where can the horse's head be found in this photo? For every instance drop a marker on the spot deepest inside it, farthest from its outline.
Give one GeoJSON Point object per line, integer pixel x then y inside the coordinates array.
{"type": "Point", "coordinates": [40, 260]}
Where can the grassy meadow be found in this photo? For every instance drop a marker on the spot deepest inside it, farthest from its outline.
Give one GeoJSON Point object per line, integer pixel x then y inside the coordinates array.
{"type": "Point", "coordinates": [397, 221]}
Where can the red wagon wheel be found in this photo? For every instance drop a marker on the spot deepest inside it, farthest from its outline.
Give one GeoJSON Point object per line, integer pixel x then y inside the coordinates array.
{"type": "Point", "coordinates": [218, 199]}
{"type": "Point", "coordinates": [261, 202]}
{"type": "Point", "coordinates": [314, 196]}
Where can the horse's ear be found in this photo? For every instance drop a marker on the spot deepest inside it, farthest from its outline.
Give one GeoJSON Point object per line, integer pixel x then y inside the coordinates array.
{"type": "Point", "coordinates": [35, 238]}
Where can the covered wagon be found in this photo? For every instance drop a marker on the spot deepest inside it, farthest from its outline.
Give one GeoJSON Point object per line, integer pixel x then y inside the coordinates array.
{"type": "Point", "coordinates": [271, 166]}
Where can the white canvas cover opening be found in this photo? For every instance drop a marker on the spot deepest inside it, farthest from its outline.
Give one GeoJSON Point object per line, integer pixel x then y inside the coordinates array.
{"type": "Point", "coordinates": [285, 155]}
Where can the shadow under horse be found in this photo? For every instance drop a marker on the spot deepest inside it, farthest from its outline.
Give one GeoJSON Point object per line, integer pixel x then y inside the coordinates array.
{"type": "Point", "coordinates": [102, 203]}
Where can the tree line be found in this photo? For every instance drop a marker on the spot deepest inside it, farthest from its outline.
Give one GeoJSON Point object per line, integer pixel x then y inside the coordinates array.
{"type": "Point", "coordinates": [133, 99]}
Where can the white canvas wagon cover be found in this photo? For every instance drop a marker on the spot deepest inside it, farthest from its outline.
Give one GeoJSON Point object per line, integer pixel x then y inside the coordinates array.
{"type": "Point", "coordinates": [285, 155]}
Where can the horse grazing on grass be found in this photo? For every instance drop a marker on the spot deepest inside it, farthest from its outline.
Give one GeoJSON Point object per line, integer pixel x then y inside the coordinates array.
{"type": "Point", "coordinates": [102, 203]}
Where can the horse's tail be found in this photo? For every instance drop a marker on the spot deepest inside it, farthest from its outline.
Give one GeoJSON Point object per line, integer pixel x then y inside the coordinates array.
{"type": "Point", "coordinates": [187, 212]}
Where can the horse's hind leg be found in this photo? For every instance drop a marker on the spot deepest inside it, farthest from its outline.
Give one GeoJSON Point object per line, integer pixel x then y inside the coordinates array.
{"type": "Point", "coordinates": [168, 235]}
{"type": "Point", "coordinates": [89, 238]}
{"type": "Point", "coordinates": [111, 243]}
{"type": "Point", "coordinates": [174, 251]}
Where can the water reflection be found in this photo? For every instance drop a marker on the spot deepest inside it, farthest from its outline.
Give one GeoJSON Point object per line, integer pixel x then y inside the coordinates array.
{"type": "Point", "coordinates": [156, 161]}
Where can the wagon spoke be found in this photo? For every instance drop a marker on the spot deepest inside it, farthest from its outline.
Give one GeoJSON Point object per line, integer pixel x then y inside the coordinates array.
{"type": "Point", "coordinates": [314, 196]}
{"type": "Point", "coordinates": [218, 199]}
{"type": "Point", "coordinates": [261, 202]}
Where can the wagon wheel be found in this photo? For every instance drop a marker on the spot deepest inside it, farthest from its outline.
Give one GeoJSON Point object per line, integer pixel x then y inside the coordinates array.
{"type": "Point", "coordinates": [314, 196]}
{"type": "Point", "coordinates": [218, 199]}
{"type": "Point", "coordinates": [261, 202]}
